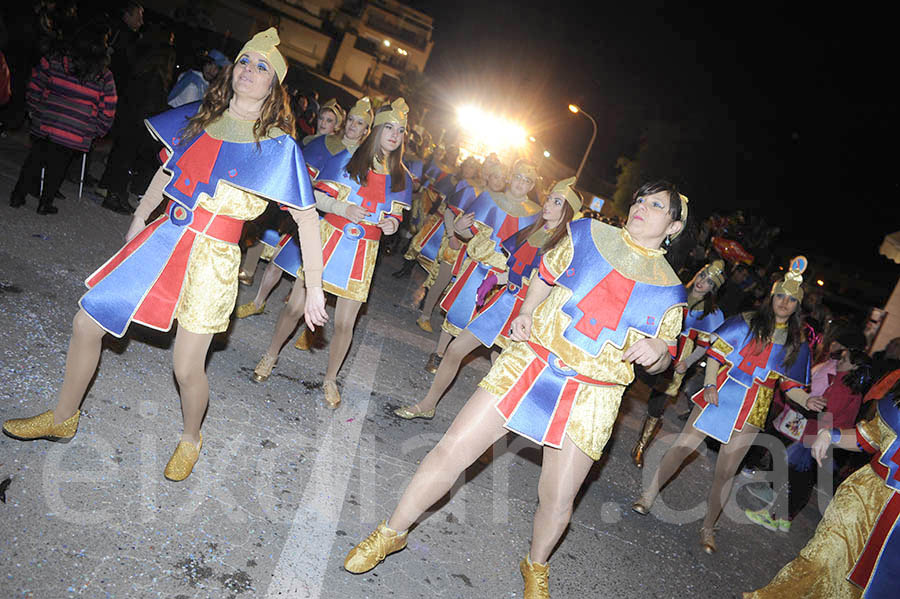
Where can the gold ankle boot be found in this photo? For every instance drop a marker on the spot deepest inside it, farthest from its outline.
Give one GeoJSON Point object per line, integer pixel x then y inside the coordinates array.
{"type": "Point", "coordinates": [424, 323]}
{"type": "Point", "coordinates": [332, 395]}
{"type": "Point", "coordinates": [264, 368]}
{"type": "Point", "coordinates": [651, 425]}
{"type": "Point", "coordinates": [249, 309]}
{"type": "Point", "coordinates": [303, 341]}
{"type": "Point", "coordinates": [708, 539]}
{"type": "Point", "coordinates": [182, 461]}
{"type": "Point", "coordinates": [372, 551]}
{"type": "Point", "coordinates": [42, 427]}
{"type": "Point", "coordinates": [537, 579]}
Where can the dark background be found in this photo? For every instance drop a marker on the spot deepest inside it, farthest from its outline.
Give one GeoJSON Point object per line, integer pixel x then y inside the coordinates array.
{"type": "Point", "coordinates": [779, 111]}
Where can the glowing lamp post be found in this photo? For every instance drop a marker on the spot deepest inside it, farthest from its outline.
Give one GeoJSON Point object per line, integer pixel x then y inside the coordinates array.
{"type": "Point", "coordinates": [574, 109]}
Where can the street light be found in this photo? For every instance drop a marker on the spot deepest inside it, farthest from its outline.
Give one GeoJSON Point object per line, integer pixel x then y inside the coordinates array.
{"type": "Point", "coordinates": [574, 109]}
{"type": "Point", "coordinates": [546, 153]}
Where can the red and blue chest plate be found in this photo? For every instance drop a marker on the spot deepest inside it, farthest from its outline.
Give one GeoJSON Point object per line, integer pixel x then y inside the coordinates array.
{"type": "Point", "coordinates": [521, 262]}
{"type": "Point", "coordinates": [751, 360]}
{"type": "Point", "coordinates": [604, 303]}
{"type": "Point", "coordinates": [276, 170]}
{"type": "Point", "coordinates": [375, 196]}
{"type": "Point", "coordinates": [502, 225]}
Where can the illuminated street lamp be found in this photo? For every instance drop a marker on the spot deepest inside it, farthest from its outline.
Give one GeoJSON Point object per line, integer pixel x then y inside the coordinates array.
{"type": "Point", "coordinates": [546, 153]}
{"type": "Point", "coordinates": [576, 110]}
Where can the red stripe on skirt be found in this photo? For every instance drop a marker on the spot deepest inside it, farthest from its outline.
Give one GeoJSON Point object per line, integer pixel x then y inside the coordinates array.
{"type": "Point", "coordinates": [157, 308]}
{"type": "Point", "coordinates": [511, 399]}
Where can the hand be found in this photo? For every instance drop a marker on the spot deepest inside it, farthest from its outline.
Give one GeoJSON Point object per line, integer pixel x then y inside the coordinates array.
{"type": "Point", "coordinates": [816, 404]}
{"type": "Point", "coordinates": [136, 226]}
{"type": "Point", "coordinates": [314, 308]}
{"type": "Point", "coordinates": [681, 367]}
{"type": "Point", "coordinates": [711, 395]}
{"type": "Point", "coordinates": [503, 277]}
{"type": "Point", "coordinates": [820, 445]}
{"type": "Point", "coordinates": [463, 223]}
{"type": "Point", "coordinates": [520, 329]}
{"type": "Point", "coordinates": [455, 243]}
{"type": "Point", "coordinates": [646, 352]}
{"type": "Point", "coordinates": [355, 213]}
{"type": "Point", "coordinates": [388, 225]}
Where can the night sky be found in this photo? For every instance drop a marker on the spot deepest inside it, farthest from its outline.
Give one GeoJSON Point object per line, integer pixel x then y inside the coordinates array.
{"type": "Point", "coordinates": [781, 112]}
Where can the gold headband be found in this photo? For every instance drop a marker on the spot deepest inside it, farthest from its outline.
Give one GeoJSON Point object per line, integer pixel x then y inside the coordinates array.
{"type": "Point", "coordinates": [790, 285]}
{"type": "Point", "coordinates": [363, 109]}
{"type": "Point", "coordinates": [684, 213]}
{"type": "Point", "coordinates": [264, 42]}
{"type": "Point", "coordinates": [334, 107]}
{"type": "Point", "coordinates": [566, 187]}
{"type": "Point", "coordinates": [397, 113]}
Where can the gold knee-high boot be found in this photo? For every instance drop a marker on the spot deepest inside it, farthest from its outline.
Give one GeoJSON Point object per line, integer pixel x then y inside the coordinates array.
{"type": "Point", "coordinates": [651, 425]}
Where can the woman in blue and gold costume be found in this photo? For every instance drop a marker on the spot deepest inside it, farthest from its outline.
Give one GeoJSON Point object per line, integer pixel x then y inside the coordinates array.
{"type": "Point", "coordinates": [855, 551]}
{"type": "Point", "coordinates": [605, 299]}
{"type": "Point", "coordinates": [701, 317]}
{"type": "Point", "coordinates": [491, 218]}
{"type": "Point", "coordinates": [435, 246]}
{"type": "Point", "coordinates": [224, 159]}
{"type": "Point", "coordinates": [368, 192]}
{"type": "Point", "coordinates": [317, 151]}
{"type": "Point", "coordinates": [750, 354]}
{"type": "Point", "coordinates": [490, 327]}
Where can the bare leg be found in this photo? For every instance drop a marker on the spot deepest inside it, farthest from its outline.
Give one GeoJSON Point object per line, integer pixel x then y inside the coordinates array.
{"type": "Point", "coordinates": [688, 440]}
{"type": "Point", "coordinates": [437, 289]}
{"type": "Point", "coordinates": [271, 277]}
{"type": "Point", "coordinates": [443, 341]}
{"type": "Point", "coordinates": [461, 347]}
{"type": "Point", "coordinates": [562, 473]}
{"type": "Point", "coordinates": [345, 312]}
{"type": "Point", "coordinates": [477, 426]}
{"type": "Point", "coordinates": [81, 363]}
{"type": "Point", "coordinates": [251, 259]}
{"type": "Point", "coordinates": [290, 315]}
{"type": "Point", "coordinates": [730, 456]}
{"type": "Point", "coordinates": [190, 372]}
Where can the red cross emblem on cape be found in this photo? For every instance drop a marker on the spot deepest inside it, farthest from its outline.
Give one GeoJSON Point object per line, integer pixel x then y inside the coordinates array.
{"type": "Point", "coordinates": [372, 194]}
{"type": "Point", "coordinates": [197, 163]}
{"type": "Point", "coordinates": [604, 305]}
{"type": "Point", "coordinates": [756, 355]}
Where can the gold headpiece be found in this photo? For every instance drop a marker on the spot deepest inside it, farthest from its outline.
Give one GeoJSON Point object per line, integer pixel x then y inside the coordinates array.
{"type": "Point", "coordinates": [566, 187]}
{"type": "Point", "coordinates": [334, 107]}
{"type": "Point", "coordinates": [363, 109]}
{"type": "Point", "coordinates": [397, 113]}
{"type": "Point", "coordinates": [715, 272]}
{"type": "Point", "coordinates": [264, 42]}
{"type": "Point", "coordinates": [493, 166]}
{"type": "Point", "coordinates": [525, 169]}
{"type": "Point", "coordinates": [791, 284]}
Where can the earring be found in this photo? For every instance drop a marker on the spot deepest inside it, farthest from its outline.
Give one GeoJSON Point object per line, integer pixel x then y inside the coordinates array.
{"type": "Point", "coordinates": [668, 241]}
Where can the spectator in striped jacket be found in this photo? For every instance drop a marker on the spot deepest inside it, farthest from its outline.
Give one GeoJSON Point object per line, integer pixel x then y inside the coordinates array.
{"type": "Point", "coordinates": [71, 100]}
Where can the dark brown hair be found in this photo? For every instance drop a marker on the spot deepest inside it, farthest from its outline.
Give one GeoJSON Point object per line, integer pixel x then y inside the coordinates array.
{"type": "Point", "coordinates": [762, 327]}
{"type": "Point", "coordinates": [276, 110]}
{"type": "Point", "coordinates": [361, 162]}
{"type": "Point", "coordinates": [559, 231]}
